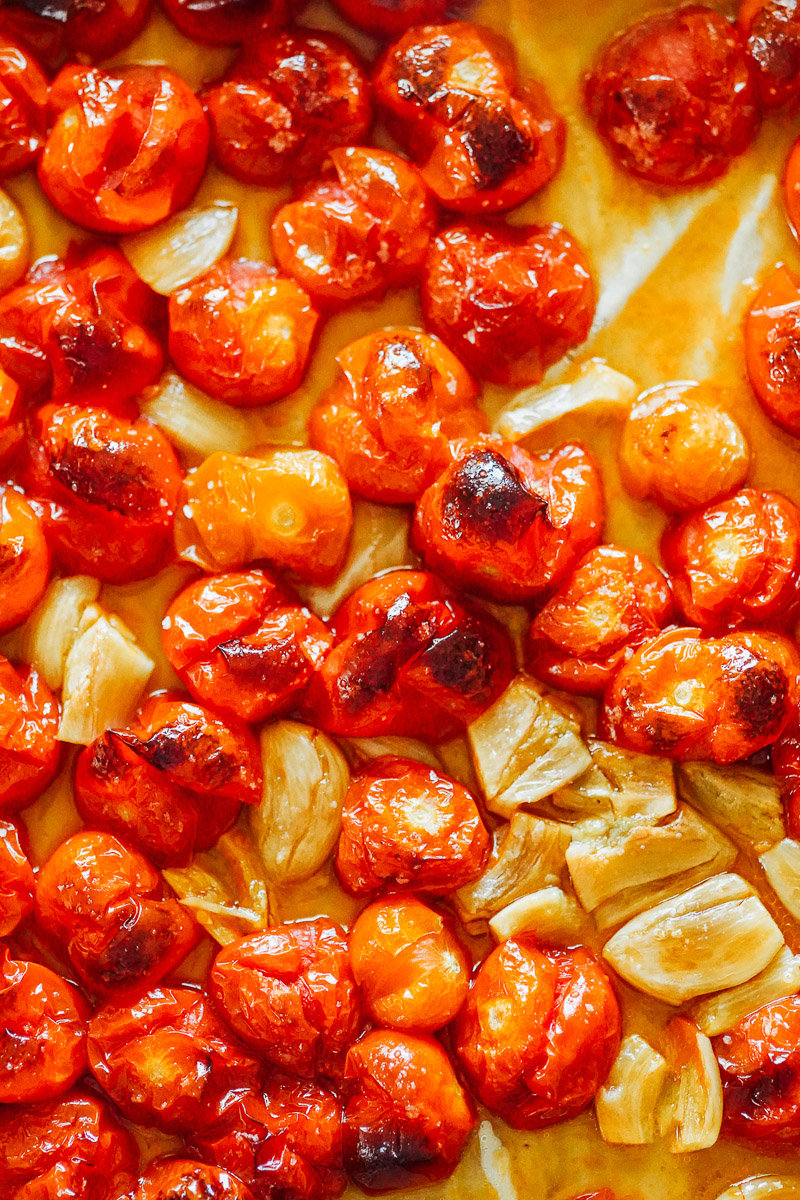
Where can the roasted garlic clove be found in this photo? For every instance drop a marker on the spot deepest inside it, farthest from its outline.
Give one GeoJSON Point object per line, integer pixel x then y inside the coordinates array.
{"type": "Point", "coordinates": [697, 1114]}
{"type": "Point", "coordinates": [52, 628]}
{"type": "Point", "coordinates": [742, 800]}
{"type": "Point", "coordinates": [226, 888]}
{"type": "Point", "coordinates": [179, 250]}
{"type": "Point", "coordinates": [781, 977]}
{"type": "Point", "coordinates": [549, 913]}
{"type": "Point", "coordinates": [193, 422]}
{"type": "Point", "coordinates": [781, 865]}
{"type": "Point", "coordinates": [596, 387]}
{"type": "Point", "coordinates": [626, 1104]}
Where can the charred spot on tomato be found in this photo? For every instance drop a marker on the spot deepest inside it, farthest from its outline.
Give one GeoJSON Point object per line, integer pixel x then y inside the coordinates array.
{"type": "Point", "coordinates": [760, 694]}
{"type": "Point", "coordinates": [486, 496]}
{"type": "Point", "coordinates": [104, 477]}
{"type": "Point", "coordinates": [376, 658]}
{"type": "Point", "coordinates": [133, 952]}
{"type": "Point", "coordinates": [419, 73]}
{"type": "Point", "coordinates": [387, 1157]}
{"type": "Point", "coordinates": [495, 144]}
{"type": "Point", "coordinates": [461, 661]}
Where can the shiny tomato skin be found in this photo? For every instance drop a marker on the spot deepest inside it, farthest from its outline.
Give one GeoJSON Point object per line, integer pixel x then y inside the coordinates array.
{"type": "Point", "coordinates": [185, 1179]}
{"type": "Point", "coordinates": [772, 348]}
{"type": "Point", "coordinates": [785, 756]}
{"type": "Point", "coordinates": [538, 1033]}
{"type": "Point", "coordinates": [23, 107]}
{"type": "Point", "coordinates": [227, 22]}
{"type": "Point", "coordinates": [771, 31]}
{"type": "Point", "coordinates": [16, 879]}
{"type": "Point", "coordinates": [66, 29]}
{"type": "Point", "coordinates": [24, 559]}
{"type": "Point", "coordinates": [387, 19]}
{"type": "Point", "coordinates": [29, 751]}
{"type": "Point", "coordinates": [759, 1063]}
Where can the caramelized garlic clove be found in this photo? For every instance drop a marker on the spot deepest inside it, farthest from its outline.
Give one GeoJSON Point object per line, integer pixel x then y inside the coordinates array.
{"type": "Point", "coordinates": [182, 248]}
{"type": "Point", "coordinates": [627, 1103]}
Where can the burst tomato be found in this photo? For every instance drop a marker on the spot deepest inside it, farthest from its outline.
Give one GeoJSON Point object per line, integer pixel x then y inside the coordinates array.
{"type": "Point", "coordinates": [227, 22]}
{"type": "Point", "coordinates": [24, 559]}
{"type": "Point", "coordinates": [183, 1179]}
{"type": "Point", "coordinates": [23, 107]}
{"type": "Point", "coordinates": [771, 30]}
{"type": "Point", "coordinates": [16, 879]}
{"type": "Point", "coordinates": [29, 751]}
{"type": "Point", "coordinates": [760, 1064]}
{"type": "Point", "coordinates": [63, 29]}
{"type": "Point", "coordinates": [772, 347]}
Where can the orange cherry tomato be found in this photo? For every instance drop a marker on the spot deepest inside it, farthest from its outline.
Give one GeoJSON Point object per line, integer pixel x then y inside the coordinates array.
{"type": "Point", "coordinates": [226, 22]}
{"type": "Point", "coordinates": [63, 29]}
{"type": "Point", "coordinates": [353, 236]}
{"type": "Point", "coordinates": [241, 333]}
{"type": "Point", "coordinates": [23, 107]}
{"type": "Point", "coordinates": [673, 96]}
{"type": "Point", "coordinates": [16, 879]}
{"type": "Point", "coordinates": [408, 658]}
{"type": "Point", "coordinates": [288, 100]}
{"type": "Point", "coordinates": [289, 993]}
{"type": "Point", "coordinates": [400, 399]}
{"type": "Point", "coordinates": [539, 1032]}
{"type": "Point", "coordinates": [685, 696]}
{"type": "Point", "coordinates": [24, 559]}
{"type": "Point", "coordinates": [389, 18]}
{"type": "Point", "coordinates": [760, 1065]}
{"type": "Point", "coordinates": [485, 139]}
{"type": "Point", "coordinates": [171, 782]}
{"type": "Point", "coordinates": [411, 968]}
{"type": "Point", "coordinates": [771, 31]}
{"type": "Point", "coordinates": [409, 825]}
{"type": "Point", "coordinates": [509, 301]}
{"type": "Point", "coordinates": [183, 1179]}
{"type": "Point", "coordinates": [508, 524]}
{"type": "Point", "coordinates": [244, 644]}
{"type": "Point", "coordinates": [772, 347]}
{"type": "Point", "coordinates": [612, 602]}
{"type": "Point", "coordinates": [406, 1117]}
{"type": "Point", "coordinates": [127, 148]}
{"type": "Point", "coordinates": [103, 904]}
{"type": "Point", "coordinates": [29, 720]}
{"type": "Point", "coordinates": [166, 1060]}
{"type": "Point", "coordinates": [107, 490]}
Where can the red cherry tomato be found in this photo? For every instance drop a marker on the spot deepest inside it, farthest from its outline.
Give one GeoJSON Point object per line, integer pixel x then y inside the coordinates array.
{"type": "Point", "coordinates": [760, 1065]}
{"type": "Point", "coordinates": [785, 755]}
{"type": "Point", "coordinates": [771, 31]}
{"type": "Point", "coordinates": [406, 824]}
{"type": "Point", "coordinates": [508, 524]}
{"type": "Point", "coordinates": [23, 107]}
{"type": "Point", "coordinates": [103, 904]}
{"type": "Point", "coordinates": [227, 22]}
{"type": "Point", "coordinates": [63, 29]}
{"type": "Point", "coordinates": [244, 644]}
{"type": "Point", "coordinates": [29, 751]}
{"type": "Point", "coordinates": [289, 99]}
{"type": "Point", "coordinates": [539, 1032]}
{"type": "Point", "coordinates": [389, 18]}
{"type": "Point", "coordinates": [400, 399]}
{"type": "Point", "coordinates": [241, 333]}
{"type": "Point", "coordinates": [16, 879]}
{"type": "Point", "coordinates": [673, 96]}
{"type": "Point", "coordinates": [408, 658]}
{"type": "Point", "coordinates": [485, 139]}
{"type": "Point", "coordinates": [183, 1179]}
{"type": "Point", "coordinates": [685, 696]}
{"type": "Point", "coordinates": [509, 301]}
{"type": "Point", "coordinates": [289, 993]}
{"type": "Point", "coordinates": [772, 346]}
{"type": "Point", "coordinates": [127, 149]}
{"type": "Point", "coordinates": [171, 782]}
{"type": "Point", "coordinates": [24, 559]}
{"type": "Point", "coordinates": [612, 602]}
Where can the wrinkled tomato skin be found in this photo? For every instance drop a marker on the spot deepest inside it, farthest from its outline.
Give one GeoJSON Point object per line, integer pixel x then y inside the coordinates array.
{"type": "Point", "coordinates": [288, 100]}
{"type": "Point", "coordinates": [409, 825]}
{"type": "Point", "coordinates": [771, 32]}
{"type": "Point", "coordinates": [538, 1033]}
{"type": "Point", "coordinates": [387, 19]}
{"type": "Point", "coordinates": [29, 751]}
{"type": "Point", "coordinates": [24, 559]}
{"type": "Point", "coordinates": [171, 782]}
{"type": "Point", "coordinates": [184, 1179]}
{"type": "Point", "coordinates": [508, 524]}
{"type": "Point", "coordinates": [103, 904]}
{"type": "Point", "coordinates": [145, 118]}
{"type": "Point", "coordinates": [353, 236]}
{"type": "Point", "coordinates": [760, 1068]}
{"type": "Point", "coordinates": [772, 348]}
{"type": "Point", "coordinates": [689, 697]}
{"type": "Point", "coordinates": [410, 659]}
{"type": "Point", "coordinates": [400, 399]}
{"type": "Point", "coordinates": [243, 643]}
{"type": "Point", "coordinates": [674, 98]}
{"type": "Point", "coordinates": [16, 879]}
{"type": "Point", "coordinates": [66, 29]}
{"type": "Point", "coordinates": [166, 1060]}
{"type": "Point", "coordinates": [612, 602]}
{"type": "Point", "coordinates": [23, 107]}
{"type": "Point", "coordinates": [289, 993]}
{"type": "Point", "coordinates": [508, 301]}
{"type": "Point", "coordinates": [785, 755]}
{"type": "Point", "coordinates": [227, 22]}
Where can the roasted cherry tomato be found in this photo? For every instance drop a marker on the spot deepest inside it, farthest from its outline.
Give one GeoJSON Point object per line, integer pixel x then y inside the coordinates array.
{"type": "Point", "coordinates": [23, 107]}
{"type": "Point", "coordinates": [289, 99]}
{"type": "Point", "coordinates": [772, 346]}
{"type": "Point", "coordinates": [352, 236]}
{"type": "Point", "coordinates": [184, 1179]}
{"type": "Point", "coordinates": [103, 904]}
{"type": "Point", "coordinates": [771, 30]}
{"type": "Point", "coordinates": [59, 29]}
{"type": "Point", "coordinates": [127, 148]}
{"type": "Point", "coordinates": [166, 1059]}
{"type": "Point", "coordinates": [539, 1032]}
{"type": "Point", "coordinates": [389, 18]}
{"type": "Point", "coordinates": [612, 602]}
{"type": "Point", "coordinates": [289, 993]}
{"type": "Point", "coordinates": [171, 782]}
{"type": "Point", "coordinates": [509, 524]}
{"type": "Point", "coordinates": [485, 140]}
{"type": "Point", "coordinates": [69, 1148]}
{"type": "Point", "coordinates": [509, 301]}
{"type": "Point", "coordinates": [16, 879]}
{"type": "Point", "coordinates": [227, 22]}
{"type": "Point", "coordinates": [760, 1065]}
{"type": "Point", "coordinates": [411, 968]}
{"type": "Point", "coordinates": [389, 418]}
{"type": "Point", "coordinates": [407, 824]}
{"type": "Point", "coordinates": [408, 658]}
{"type": "Point", "coordinates": [29, 751]}
{"type": "Point", "coordinates": [406, 1117]}
{"type": "Point", "coordinates": [24, 559]}
{"type": "Point", "coordinates": [785, 755]}
{"type": "Point", "coordinates": [673, 96]}
{"type": "Point", "coordinates": [243, 643]}
{"type": "Point", "coordinates": [83, 330]}
{"type": "Point", "coordinates": [241, 332]}
{"type": "Point", "coordinates": [107, 489]}
{"type": "Point", "coordinates": [686, 696]}
{"type": "Point", "coordinates": [42, 1032]}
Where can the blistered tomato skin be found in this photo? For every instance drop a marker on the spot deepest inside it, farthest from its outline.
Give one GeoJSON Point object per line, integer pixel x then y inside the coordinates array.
{"type": "Point", "coordinates": [689, 697]}
{"type": "Point", "coordinates": [351, 236]}
{"type": "Point", "coordinates": [772, 348]}
{"type": "Point", "coordinates": [29, 751]}
{"type": "Point", "coordinates": [508, 524]}
{"type": "Point", "coordinates": [184, 1179]}
{"type": "Point", "coordinates": [771, 30]}
{"type": "Point", "coordinates": [508, 301]}
{"type": "Point", "coordinates": [171, 782]}
{"type": "Point", "coordinates": [103, 904]}
{"type": "Point", "coordinates": [24, 559]}
{"type": "Point", "coordinates": [244, 644]}
{"type": "Point", "coordinates": [538, 1033]}
{"type": "Point", "coordinates": [23, 107]}
{"type": "Point", "coordinates": [400, 399]}
{"type": "Point", "coordinates": [760, 1067]}
{"type": "Point", "coordinates": [411, 826]}
{"type": "Point", "coordinates": [127, 148]}
{"type": "Point", "coordinates": [66, 29]}
{"type": "Point", "coordinates": [674, 98]}
{"type": "Point", "coordinates": [241, 332]}
{"type": "Point", "coordinates": [612, 602]}
{"type": "Point", "coordinates": [289, 993]}
{"type": "Point", "coordinates": [406, 1116]}
{"type": "Point", "coordinates": [16, 879]}
{"type": "Point", "coordinates": [227, 22]}
{"type": "Point", "coordinates": [289, 99]}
